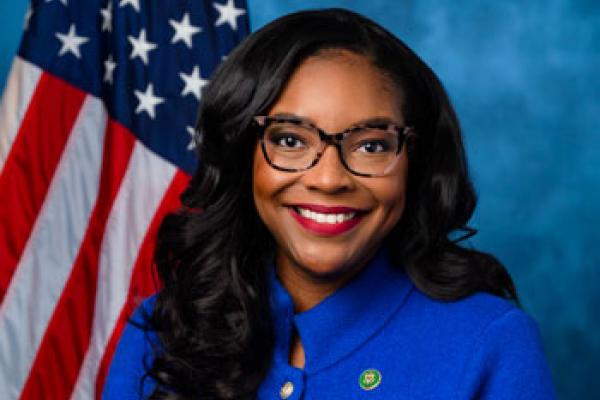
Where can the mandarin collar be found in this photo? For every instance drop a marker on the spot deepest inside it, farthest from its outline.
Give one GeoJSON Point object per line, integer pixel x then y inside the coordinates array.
{"type": "Point", "coordinates": [344, 320]}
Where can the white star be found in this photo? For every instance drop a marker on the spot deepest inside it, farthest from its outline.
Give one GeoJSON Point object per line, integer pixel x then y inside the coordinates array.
{"type": "Point", "coordinates": [107, 17]}
{"type": "Point", "coordinates": [228, 14]}
{"type": "Point", "coordinates": [184, 30]}
{"type": "Point", "coordinates": [134, 3]}
{"type": "Point", "coordinates": [28, 15]}
{"type": "Point", "coordinates": [191, 131]}
{"type": "Point", "coordinates": [193, 83]}
{"type": "Point", "coordinates": [109, 68]}
{"type": "Point", "coordinates": [141, 47]}
{"type": "Point", "coordinates": [148, 101]}
{"type": "Point", "coordinates": [71, 42]}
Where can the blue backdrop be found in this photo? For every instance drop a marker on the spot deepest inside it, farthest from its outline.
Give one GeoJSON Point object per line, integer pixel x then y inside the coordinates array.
{"type": "Point", "coordinates": [524, 79]}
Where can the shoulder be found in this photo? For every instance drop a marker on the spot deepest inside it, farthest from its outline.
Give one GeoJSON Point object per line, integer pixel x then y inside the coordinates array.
{"type": "Point", "coordinates": [480, 321]}
{"type": "Point", "coordinates": [473, 321]}
{"type": "Point", "coordinates": [133, 356]}
{"type": "Point", "coordinates": [463, 320]}
{"type": "Point", "coordinates": [485, 345]}
{"type": "Point", "coordinates": [475, 310]}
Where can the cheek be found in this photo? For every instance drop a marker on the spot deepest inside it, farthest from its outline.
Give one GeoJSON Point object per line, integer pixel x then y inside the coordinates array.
{"type": "Point", "coordinates": [394, 203]}
{"type": "Point", "coordinates": [392, 197]}
{"type": "Point", "coordinates": [267, 184]}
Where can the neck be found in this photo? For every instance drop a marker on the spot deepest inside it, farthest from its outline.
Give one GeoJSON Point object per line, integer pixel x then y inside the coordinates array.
{"type": "Point", "coordinates": [306, 289]}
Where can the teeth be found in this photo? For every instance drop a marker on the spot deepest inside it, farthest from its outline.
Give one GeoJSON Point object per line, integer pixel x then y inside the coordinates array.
{"type": "Point", "coordinates": [325, 218]}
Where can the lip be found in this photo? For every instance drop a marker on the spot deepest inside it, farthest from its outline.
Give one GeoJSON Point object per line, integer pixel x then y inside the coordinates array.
{"type": "Point", "coordinates": [326, 229]}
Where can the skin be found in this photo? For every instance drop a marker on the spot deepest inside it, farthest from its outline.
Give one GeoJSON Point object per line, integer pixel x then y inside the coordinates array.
{"type": "Point", "coordinates": [333, 91]}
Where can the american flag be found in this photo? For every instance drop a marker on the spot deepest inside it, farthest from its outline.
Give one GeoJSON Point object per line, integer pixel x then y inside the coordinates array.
{"type": "Point", "coordinates": [95, 147]}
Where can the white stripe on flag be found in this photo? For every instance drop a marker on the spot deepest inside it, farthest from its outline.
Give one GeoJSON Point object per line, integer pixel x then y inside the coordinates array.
{"type": "Point", "coordinates": [144, 185]}
{"type": "Point", "coordinates": [52, 248]}
{"type": "Point", "coordinates": [22, 81]}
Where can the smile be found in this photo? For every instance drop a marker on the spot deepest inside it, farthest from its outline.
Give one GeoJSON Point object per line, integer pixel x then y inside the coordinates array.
{"type": "Point", "coordinates": [326, 221]}
{"type": "Point", "coordinates": [323, 218]}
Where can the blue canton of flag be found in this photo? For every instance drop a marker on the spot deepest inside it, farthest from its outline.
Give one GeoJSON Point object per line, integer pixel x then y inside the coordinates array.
{"type": "Point", "coordinates": [147, 60]}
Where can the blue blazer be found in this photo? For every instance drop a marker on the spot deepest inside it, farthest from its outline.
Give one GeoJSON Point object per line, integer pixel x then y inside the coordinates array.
{"type": "Point", "coordinates": [379, 337]}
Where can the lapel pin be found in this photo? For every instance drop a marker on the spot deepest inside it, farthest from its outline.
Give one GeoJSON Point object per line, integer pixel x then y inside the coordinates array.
{"type": "Point", "coordinates": [369, 379]}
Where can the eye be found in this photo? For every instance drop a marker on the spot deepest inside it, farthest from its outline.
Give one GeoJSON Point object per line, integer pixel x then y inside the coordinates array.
{"type": "Point", "coordinates": [287, 140]}
{"type": "Point", "coordinates": [373, 146]}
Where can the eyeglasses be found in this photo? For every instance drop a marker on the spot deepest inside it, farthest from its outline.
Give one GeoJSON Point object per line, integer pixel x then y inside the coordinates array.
{"type": "Point", "coordinates": [292, 145]}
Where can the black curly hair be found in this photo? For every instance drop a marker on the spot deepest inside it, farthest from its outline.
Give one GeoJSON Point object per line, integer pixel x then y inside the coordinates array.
{"type": "Point", "coordinates": [212, 314]}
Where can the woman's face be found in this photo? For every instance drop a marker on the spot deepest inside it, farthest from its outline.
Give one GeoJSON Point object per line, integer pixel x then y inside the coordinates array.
{"type": "Point", "coordinates": [334, 92]}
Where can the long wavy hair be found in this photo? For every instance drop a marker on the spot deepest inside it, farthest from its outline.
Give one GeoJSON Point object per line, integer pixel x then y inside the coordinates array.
{"type": "Point", "coordinates": [212, 315]}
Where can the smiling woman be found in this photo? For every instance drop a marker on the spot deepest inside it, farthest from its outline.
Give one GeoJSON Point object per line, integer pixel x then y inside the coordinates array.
{"type": "Point", "coordinates": [313, 259]}
{"type": "Point", "coordinates": [301, 208]}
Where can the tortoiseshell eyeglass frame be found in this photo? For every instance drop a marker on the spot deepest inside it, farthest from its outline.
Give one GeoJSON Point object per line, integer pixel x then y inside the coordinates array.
{"type": "Point", "coordinates": [262, 122]}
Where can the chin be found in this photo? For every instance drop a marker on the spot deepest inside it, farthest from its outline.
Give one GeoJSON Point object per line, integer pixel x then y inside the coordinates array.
{"type": "Point", "coordinates": [325, 267]}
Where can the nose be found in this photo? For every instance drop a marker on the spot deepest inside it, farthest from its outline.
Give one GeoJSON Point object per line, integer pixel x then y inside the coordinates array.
{"type": "Point", "coordinates": [329, 175]}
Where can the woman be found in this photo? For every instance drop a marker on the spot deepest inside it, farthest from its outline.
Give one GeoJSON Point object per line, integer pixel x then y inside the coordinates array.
{"type": "Point", "coordinates": [320, 265]}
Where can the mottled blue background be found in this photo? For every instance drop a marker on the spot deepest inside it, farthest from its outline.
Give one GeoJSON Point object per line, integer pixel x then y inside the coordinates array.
{"type": "Point", "coordinates": [524, 79]}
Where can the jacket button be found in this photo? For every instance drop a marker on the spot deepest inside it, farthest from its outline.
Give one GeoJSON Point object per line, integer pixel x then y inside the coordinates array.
{"type": "Point", "coordinates": [286, 390]}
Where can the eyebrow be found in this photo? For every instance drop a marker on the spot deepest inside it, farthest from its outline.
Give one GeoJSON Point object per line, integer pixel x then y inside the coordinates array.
{"type": "Point", "coordinates": [293, 117]}
{"type": "Point", "coordinates": [370, 120]}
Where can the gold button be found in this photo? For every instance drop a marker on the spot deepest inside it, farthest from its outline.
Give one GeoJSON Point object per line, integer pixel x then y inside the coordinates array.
{"type": "Point", "coordinates": [286, 390]}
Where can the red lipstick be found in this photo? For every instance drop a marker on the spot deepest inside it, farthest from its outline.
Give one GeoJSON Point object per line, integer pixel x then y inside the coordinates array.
{"type": "Point", "coordinates": [326, 229]}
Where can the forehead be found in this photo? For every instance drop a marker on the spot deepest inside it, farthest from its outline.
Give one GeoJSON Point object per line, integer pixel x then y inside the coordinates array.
{"type": "Point", "coordinates": [337, 89]}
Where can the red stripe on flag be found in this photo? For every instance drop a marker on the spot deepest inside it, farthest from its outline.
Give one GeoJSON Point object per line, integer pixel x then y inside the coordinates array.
{"type": "Point", "coordinates": [143, 281]}
{"type": "Point", "coordinates": [30, 166]}
{"type": "Point", "coordinates": [68, 333]}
